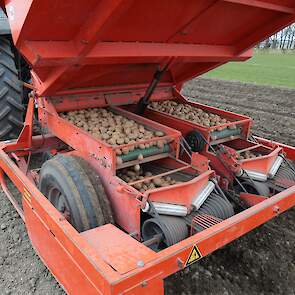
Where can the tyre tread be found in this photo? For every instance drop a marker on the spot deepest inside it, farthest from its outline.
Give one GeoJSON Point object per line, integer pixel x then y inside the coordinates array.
{"type": "Point", "coordinates": [11, 106]}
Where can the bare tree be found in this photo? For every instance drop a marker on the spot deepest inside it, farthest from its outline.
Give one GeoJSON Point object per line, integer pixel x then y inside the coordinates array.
{"type": "Point", "coordinates": [284, 40]}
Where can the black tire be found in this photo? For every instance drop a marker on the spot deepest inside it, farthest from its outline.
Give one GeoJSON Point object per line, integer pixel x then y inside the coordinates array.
{"type": "Point", "coordinates": [99, 189]}
{"type": "Point", "coordinates": [195, 141]}
{"type": "Point", "coordinates": [11, 106]}
{"type": "Point", "coordinates": [76, 191]}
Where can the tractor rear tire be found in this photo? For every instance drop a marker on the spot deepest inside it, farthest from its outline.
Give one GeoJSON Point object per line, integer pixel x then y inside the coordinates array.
{"type": "Point", "coordinates": [69, 184]}
{"type": "Point", "coordinates": [11, 105]}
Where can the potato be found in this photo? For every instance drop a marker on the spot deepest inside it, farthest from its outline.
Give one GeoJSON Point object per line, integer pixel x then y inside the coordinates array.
{"type": "Point", "coordinates": [138, 186]}
{"type": "Point", "coordinates": [120, 141]}
{"type": "Point", "coordinates": [157, 181]}
{"type": "Point", "coordinates": [141, 129]}
{"type": "Point", "coordinates": [248, 155]}
{"type": "Point", "coordinates": [136, 174]}
{"type": "Point", "coordinates": [114, 129]}
{"type": "Point", "coordinates": [232, 127]}
{"type": "Point", "coordinates": [125, 151]}
{"type": "Point", "coordinates": [118, 152]}
{"type": "Point", "coordinates": [160, 144]}
{"type": "Point", "coordinates": [112, 141]}
{"type": "Point", "coordinates": [159, 133]}
{"type": "Point", "coordinates": [127, 130]}
{"type": "Point", "coordinates": [190, 113]}
{"type": "Point", "coordinates": [137, 168]}
{"type": "Point", "coordinates": [131, 173]}
{"type": "Point", "coordinates": [119, 161]}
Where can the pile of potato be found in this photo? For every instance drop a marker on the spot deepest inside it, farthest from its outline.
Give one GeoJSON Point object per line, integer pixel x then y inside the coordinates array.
{"type": "Point", "coordinates": [114, 129]}
{"type": "Point", "coordinates": [135, 173]}
{"type": "Point", "coordinates": [192, 114]}
{"type": "Point", "coordinates": [248, 155]}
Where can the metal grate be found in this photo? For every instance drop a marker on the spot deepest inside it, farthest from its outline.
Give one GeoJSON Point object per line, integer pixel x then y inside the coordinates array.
{"type": "Point", "coordinates": [203, 221]}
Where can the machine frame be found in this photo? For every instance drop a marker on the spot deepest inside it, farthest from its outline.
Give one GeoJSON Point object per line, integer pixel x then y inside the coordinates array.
{"type": "Point", "coordinates": [88, 62]}
{"type": "Point", "coordinates": [76, 260]}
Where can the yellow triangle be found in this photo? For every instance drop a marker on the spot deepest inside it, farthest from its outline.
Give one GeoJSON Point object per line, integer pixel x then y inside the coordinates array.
{"type": "Point", "coordinates": [194, 256]}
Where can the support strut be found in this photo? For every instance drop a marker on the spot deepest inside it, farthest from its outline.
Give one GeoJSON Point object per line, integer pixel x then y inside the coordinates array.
{"type": "Point", "coordinates": [144, 101]}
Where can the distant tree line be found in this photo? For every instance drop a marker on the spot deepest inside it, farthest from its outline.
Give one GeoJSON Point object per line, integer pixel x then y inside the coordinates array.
{"type": "Point", "coordinates": [283, 40]}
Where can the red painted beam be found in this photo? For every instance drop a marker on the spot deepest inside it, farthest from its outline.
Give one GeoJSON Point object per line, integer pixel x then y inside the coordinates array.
{"type": "Point", "coordinates": [263, 5]}
{"type": "Point", "coordinates": [54, 53]}
{"type": "Point", "coordinates": [138, 49]}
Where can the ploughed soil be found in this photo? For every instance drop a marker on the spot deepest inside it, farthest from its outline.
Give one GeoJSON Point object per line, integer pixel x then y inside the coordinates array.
{"type": "Point", "coordinates": [262, 262]}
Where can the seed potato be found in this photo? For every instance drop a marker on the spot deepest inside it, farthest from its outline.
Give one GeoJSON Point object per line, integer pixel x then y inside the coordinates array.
{"type": "Point", "coordinates": [136, 173]}
{"type": "Point", "coordinates": [114, 129]}
{"type": "Point", "coordinates": [190, 113]}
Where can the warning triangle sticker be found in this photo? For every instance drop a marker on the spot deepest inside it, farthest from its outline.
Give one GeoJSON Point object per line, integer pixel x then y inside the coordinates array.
{"type": "Point", "coordinates": [194, 256]}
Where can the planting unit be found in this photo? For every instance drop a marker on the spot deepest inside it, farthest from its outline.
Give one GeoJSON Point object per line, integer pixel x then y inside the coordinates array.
{"type": "Point", "coordinates": [126, 196]}
{"type": "Point", "coordinates": [238, 158]}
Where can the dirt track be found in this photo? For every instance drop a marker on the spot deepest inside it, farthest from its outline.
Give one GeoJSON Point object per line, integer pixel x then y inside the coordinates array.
{"type": "Point", "coordinates": [263, 262]}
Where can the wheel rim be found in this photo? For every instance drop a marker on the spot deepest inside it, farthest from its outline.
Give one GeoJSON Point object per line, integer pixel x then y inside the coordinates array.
{"type": "Point", "coordinates": [58, 200]}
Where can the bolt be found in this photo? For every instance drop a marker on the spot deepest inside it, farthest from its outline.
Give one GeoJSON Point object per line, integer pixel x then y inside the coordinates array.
{"type": "Point", "coordinates": [144, 284]}
{"type": "Point", "coordinates": [276, 210]}
{"type": "Point", "coordinates": [140, 263]}
{"type": "Point", "coordinates": [179, 263]}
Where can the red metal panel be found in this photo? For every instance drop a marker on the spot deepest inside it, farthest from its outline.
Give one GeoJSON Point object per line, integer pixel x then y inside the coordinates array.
{"type": "Point", "coordinates": [182, 194]}
{"type": "Point", "coordinates": [107, 43]}
{"type": "Point", "coordinates": [252, 200]}
{"type": "Point", "coordinates": [264, 5]}
{"type": "Point", "coordinates": [262, 164]}
{"type": "Point", "coordinates": [118, 249]}
{"type": "Point", "coordinates": [290, 151]}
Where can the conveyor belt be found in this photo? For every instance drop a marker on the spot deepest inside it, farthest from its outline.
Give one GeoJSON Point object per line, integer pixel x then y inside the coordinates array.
{"type": "Point", "coordinates": [145, 152]}
{"type": "Point", "coordinates": [225, 133]}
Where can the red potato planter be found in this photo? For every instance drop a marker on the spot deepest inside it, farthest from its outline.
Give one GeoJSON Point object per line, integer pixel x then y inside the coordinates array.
{"type": "Point", "coordinates": [102, 157]}
{"type": "Point", "coordinates": [104, 225]}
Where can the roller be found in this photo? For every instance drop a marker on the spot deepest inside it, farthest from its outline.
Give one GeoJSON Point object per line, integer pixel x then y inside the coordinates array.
{"type": "Point", "coordinates": [225, 133]}
{"type": "Point", "coordinates": [201, 198]}
{"type": "Point", "coordinates": [171, 229]}
{"type": "Point", "coordinates": [275, 167]}
{"type": "Point", "coordinates": [167, 209]}
{"type": "Point", "coordinates": [145, 152]}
